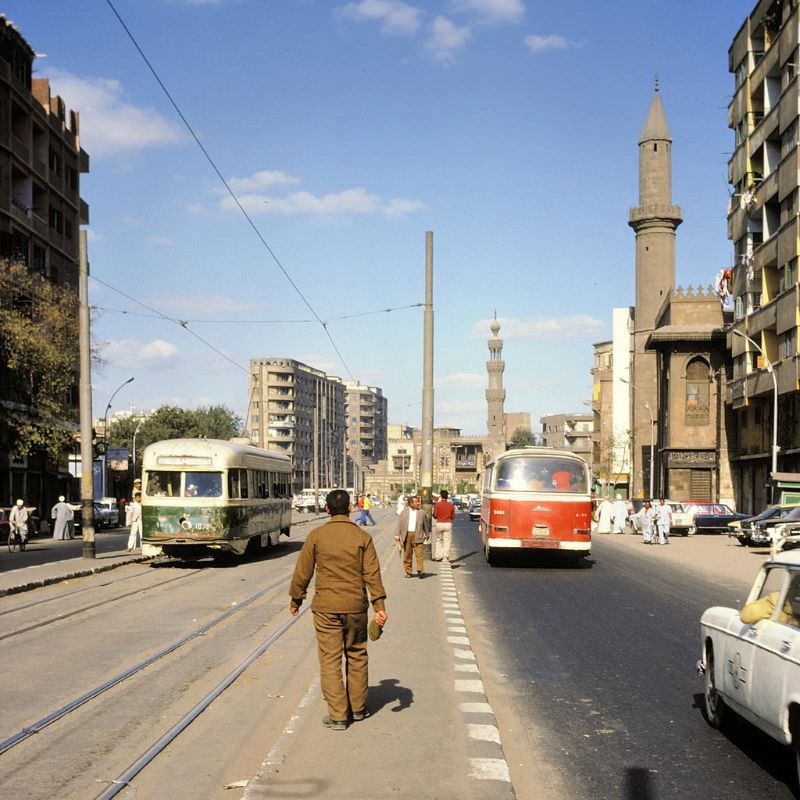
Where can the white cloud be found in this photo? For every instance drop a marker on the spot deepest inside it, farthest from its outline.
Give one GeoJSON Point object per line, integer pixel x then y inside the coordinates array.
{"type": "Point", "coordinates": [265, 179]}
{"type": "Point", "coordinates": [203, 304]}
{"type": "Point", "coordinates": [109, 124]}
{"type": "Point", "coordinates": [164, 241]}
{"type": "Point", "coordinates": [334, 204]}
{"type": "Point", "coordinates": [567, 327]}
{"type": "Point", "coordinates": [538, 43]}
{"type": "Point", "coordinates": [463, 379]}
{"type": "Point", "coordinates": [394, 16]}
{"type": "Point", "coordinates": [134, 354]}
{"type": "Point", "coordinates": [446, 39]}
{"type": "Point", "coordinates": [493, 11]}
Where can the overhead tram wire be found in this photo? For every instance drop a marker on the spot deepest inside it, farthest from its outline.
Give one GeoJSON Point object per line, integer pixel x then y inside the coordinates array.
{"type": "Point", "coordinates": [228, 188]}
{"type": "Point", "coordinates": [258, 321]}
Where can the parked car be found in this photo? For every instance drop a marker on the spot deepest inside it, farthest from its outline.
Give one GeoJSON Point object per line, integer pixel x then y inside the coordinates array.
{"type": "Point", "coordinates": [106, 513]}
{"type": "Point", "coordinates": [713, 518]}
{"type": "Point", "coordinates": [753, 668]}
{"type": "Point", "coordinates": [758, 530]}
{"type": "Point", "coordinates": [474, 508]}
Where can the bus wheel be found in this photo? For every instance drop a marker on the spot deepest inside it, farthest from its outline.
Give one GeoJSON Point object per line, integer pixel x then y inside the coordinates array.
{"type": "Point", "coordinates": [490, 555]}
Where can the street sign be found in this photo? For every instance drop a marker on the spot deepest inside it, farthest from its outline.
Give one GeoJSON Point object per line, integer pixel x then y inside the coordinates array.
{"type": "Point", "coordinates": [117, 458]}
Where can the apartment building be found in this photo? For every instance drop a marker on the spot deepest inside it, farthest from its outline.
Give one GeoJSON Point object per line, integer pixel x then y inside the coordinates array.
{"type": "Point", "coordinates": [366, 409]}
{"type": "Point", "coordinates": [299, 410]}
{"type": "Point", "coordinates": [40, 215]}
{"type": "Point", "coordinates": [764, 173]}
{"type": "Point", "coordinates": [574, 432]}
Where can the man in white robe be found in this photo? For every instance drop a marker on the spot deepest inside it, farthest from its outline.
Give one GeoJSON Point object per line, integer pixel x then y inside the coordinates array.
{"type": "Point", "coordinates": [605, 515]}
{"type": "Point", "coordinates": [620, 514]}
{"type": "Point", "coordinates": [62, 516]}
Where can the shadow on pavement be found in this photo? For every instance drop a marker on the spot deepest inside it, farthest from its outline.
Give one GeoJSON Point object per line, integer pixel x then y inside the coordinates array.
{"type": "Point", "coordinates": [224, 560]}
{"type": "Point", "coordinates": [638, 785]}
{"type": "Point", "coordinates": [463, 558]}
{"type": "Point", "coordinates": [775, 759]}
{"type": "Point", "coordinates": [389, 691]}
{"type": "Point", "coordinates": [529, 559]}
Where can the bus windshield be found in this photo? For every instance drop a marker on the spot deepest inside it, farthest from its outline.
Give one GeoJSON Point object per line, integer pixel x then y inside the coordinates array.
{"type": "Point", "coordinates": [541, 474]}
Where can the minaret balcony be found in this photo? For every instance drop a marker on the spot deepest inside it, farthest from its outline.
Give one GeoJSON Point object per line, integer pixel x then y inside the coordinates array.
{"type": "Point", "coordinates": [659, 213]}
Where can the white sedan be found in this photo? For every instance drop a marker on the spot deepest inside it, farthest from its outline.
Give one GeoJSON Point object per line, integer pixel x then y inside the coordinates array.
{"type": "Point", "coordinates": [751, 658]}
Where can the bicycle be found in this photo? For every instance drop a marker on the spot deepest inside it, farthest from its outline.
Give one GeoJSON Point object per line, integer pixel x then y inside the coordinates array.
{"type": "Point", "coordinates": [16, 540]}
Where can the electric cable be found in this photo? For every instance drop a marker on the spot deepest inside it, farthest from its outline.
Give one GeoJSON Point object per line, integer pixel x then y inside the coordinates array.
{"type": "Point", "coordinates": [228, 188]}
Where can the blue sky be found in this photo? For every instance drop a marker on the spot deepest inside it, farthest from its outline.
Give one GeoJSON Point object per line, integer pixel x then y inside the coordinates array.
{"type": "Point", "coordinates": [347, 129]}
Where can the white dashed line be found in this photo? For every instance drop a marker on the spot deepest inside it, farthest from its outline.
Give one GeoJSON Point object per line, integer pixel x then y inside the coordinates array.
{"type": "Point", "coordinates": [457, 640]}
{"type": "Point", "coordinates": [489, 769]}
{"type": "Point", "coordinates": [466, 668]}
{"type": "Point", "coordinates": [484, 733]}
{"type": "Point", "coordinates": [464, 654]}
{"type": "Point", "coordinates": [468, 685]}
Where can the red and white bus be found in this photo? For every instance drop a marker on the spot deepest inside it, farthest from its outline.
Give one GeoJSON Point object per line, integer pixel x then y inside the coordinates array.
{"type": "Point", "coordinates": [536, 497]}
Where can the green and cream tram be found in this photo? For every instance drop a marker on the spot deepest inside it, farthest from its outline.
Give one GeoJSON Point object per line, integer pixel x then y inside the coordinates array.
{"type": "Point", "coordinates": [210, 496]}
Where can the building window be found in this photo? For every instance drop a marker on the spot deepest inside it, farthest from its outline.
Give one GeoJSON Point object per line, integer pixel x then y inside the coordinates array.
{"type": "Point", "coordinates": [55, 162]}
{"type": "Point", "coordinates": [56, 219]}
{"type": "Point", "coordinates": [698, 391]}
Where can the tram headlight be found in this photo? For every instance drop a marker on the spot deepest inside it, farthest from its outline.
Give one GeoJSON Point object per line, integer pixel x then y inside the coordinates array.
{"type": "Point", "coordinates": [185, 524]}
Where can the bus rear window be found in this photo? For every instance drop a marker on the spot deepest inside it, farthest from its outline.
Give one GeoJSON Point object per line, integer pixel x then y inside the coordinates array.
{"type": "Point", "coordinates": [163, 483]}
{"type": "Point", "coordinates": [540, 475]}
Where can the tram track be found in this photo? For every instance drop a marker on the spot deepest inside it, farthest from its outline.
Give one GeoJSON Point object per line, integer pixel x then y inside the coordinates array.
{"type": "Point", "coordinates": [74, 612]}
{"type": "Point", "coordinates": [269, 593]}
{"type": "Point", "coordinates": [124, 779]}
{"type": "Point", "coordinates": [72, 705]}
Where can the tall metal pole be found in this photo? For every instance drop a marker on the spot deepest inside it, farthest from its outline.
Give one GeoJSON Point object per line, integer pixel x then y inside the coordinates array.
{"type": "Point", "coordinates": [315, 466]}
{"type": "Point", "coordinates": [426, 484]}
{"type": "Point", "coordinates": [85, 391]}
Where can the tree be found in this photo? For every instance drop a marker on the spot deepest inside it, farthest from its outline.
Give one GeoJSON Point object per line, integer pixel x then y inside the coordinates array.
{"type": "Point", "coordinates": [522, 437]}
{"type": "Point", "coordinates": [39, 361]}
{"type": "Point", "coordinates": [170, 422]}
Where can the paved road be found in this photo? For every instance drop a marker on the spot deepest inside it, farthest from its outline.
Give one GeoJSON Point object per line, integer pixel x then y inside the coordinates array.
{"type": "Point", "coordinates": [592, 670]}
{"type": "Point", "coordinates": [43, 550]}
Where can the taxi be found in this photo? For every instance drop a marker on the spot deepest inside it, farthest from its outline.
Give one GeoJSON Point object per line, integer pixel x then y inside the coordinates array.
{"type": "Point", "coordinates": [751, 657]}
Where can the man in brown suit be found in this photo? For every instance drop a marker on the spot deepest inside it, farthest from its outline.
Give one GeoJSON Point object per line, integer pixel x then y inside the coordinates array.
{"type": "Point", "coordinates": [347, 568]}
{"type": "Point", "coordinates": [413, 530]}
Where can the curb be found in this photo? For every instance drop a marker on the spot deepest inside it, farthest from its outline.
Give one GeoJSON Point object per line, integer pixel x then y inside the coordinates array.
{"type": "Point", "coordinates": [80, 573]}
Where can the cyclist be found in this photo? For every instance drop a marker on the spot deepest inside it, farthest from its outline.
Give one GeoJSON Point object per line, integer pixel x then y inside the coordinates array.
{"type": "Point", "coordinates": [18, 522]}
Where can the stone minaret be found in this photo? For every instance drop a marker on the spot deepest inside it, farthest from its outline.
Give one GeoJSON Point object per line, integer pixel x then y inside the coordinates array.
{"type": "Point", "coordinates": [654, 220]}
{"type": "Point", "coordinates": [495, 394]}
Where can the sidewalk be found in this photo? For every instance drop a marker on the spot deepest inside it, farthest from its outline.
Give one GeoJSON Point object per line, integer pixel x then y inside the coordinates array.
{"type": "Point", "coordinates": [431, 733]}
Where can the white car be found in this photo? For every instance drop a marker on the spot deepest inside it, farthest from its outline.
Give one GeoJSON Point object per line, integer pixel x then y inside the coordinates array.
{"type": "Point", "coordinates": [753, 668]}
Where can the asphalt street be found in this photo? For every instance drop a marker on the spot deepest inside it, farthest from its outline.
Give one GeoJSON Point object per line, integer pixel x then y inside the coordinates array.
{"type": "Point", "coordinates": [43, 549]}
{"type": "Point", "coordinates": [599, 662]}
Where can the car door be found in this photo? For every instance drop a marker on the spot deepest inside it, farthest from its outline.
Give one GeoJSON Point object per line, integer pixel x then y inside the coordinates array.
{"type": "Point", "coordinates": [742, 642]}
{"type": "Point", "coordinates": [777, 655]}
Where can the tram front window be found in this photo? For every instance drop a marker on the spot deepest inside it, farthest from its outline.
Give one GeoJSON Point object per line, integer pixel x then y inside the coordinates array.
{"type": "Point", "coordinates": [202, 484]}
{"type": "Point", "coordinates": [163, 483]}
{"type": "Point", "coordinates": [541, 474]}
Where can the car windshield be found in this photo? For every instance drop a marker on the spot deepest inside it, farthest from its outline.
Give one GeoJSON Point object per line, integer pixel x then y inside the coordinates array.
{"type": "Point", "coordinates": [793, 514]}
{"type": "Point", "coordinates": [708, 508]}
{"type": "Point", "coordinates": [541, 474]}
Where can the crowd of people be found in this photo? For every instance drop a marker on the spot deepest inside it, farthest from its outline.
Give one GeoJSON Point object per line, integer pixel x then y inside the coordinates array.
{"type": "Point", "coordinates": [653, 519]}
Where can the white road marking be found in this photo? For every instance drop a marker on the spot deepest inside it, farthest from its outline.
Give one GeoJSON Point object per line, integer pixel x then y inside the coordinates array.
{"type": "Point", "coordinates": [470, 685]}
{"type": "Point", "coordinates": [457, 640]}
{"type": "Point", "coordinates": [485, 733]}
{"type": "Point", "coordinates": [466, 668]}
{"type": "Point", "coordinates": [475, 708]}
{"type": "Point", "coordinates": [456, 629]}
{"type": "Point", "coordinates": [468, 654]}
{"type": "Point", "coordinates": [489, 769]}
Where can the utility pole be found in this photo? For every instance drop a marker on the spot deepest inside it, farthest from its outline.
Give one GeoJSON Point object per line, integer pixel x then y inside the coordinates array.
{"type": "Point", "coordinates": [426, 484]}
{"type": "Point", "coordinates": [85, 390]}
{"type": "Point", "coordinates": [315, 465]}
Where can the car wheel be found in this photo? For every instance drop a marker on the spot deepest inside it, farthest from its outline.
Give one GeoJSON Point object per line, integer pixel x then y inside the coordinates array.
{"type": "Point", "coordinates": [489, 555]}
{"type": "Point", "coordinates": [716, 710]}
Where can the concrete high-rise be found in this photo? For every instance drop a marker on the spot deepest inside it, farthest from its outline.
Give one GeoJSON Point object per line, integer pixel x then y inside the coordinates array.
{"type": "Point", "coordinates": [654, 220]}
{"type": "Point", "coordinates": [366, 409]}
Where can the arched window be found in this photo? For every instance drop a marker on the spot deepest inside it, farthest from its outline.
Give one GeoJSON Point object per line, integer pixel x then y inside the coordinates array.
{"type": "Point", "coordinates": [698, 392]}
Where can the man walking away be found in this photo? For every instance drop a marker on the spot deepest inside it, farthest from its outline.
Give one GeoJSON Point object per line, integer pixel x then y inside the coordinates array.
{"type": "Point", "coordinates": [620, 514]}
{"type": "Point", "coordinates": [62, 517]}
{"type": "Point", "coordinates": [347, 568]}
{"type": "Point", "coordinates": [443, 512]}
{"type": "Point", "coordinates": [663, 521]}
{"type": "Point", "coordinates": [413, 530]}
{"type": "Point", "coordinates": [366, 509]}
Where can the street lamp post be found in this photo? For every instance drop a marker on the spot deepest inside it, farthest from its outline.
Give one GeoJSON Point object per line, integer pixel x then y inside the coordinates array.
{"type": "Point", "coordinates": [652, 435]}
{"type": "Point", "coordinates": [105, 430]}
{"type": "Point", "coordinates": [771, 370]}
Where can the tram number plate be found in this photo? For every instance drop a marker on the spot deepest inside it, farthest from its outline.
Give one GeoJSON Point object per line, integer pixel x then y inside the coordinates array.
{"type": "Point", "coordinates": [540, 531]}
